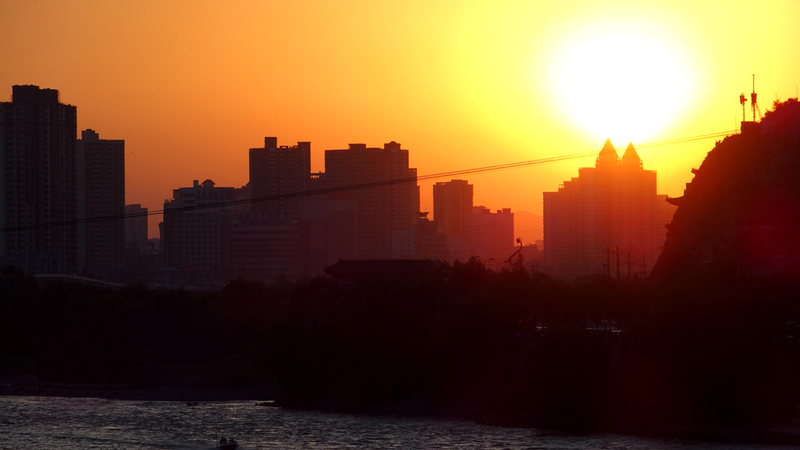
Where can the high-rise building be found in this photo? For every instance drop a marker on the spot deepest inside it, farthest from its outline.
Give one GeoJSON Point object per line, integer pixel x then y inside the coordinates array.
{"type": "Point", "coordinates": [265, 250]}
{"type": "Point", "coordinates": [430, 242]}
{"type": "Point", "coordinates": [275, 174]}
{"type": "Point", "coordinates": [330, 224]}
{"type": "Point", "coordinates": [38, 206]}
{"type": "Point", "coordinates": [136, 227]}
{"type": "Point", "coordinates": [489, 236]}
{"type": "Point", "coordinates": [265, 235]}
{"type": "Point", "coordinates": [385, 193]}
{"type": "Point", "coordinates": [196, 233]}
{"type": "Point", "coordinates": [452, 202]}
{"type": "Point", "coordinates": [101, 194]}
{"type": "Point", "coordinates": [608, 220]}
{"type": "Point", "coordinates": [142, 255]}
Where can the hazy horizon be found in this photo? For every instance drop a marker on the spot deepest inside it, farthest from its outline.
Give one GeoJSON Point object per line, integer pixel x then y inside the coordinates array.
{"type": "Point", "coordinates": [191, 87]}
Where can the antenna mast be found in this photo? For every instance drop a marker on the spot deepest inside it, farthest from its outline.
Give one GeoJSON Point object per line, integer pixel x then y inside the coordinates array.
{"type": "Point", "coordinates": [742, 100]}
{"type": "Point", "coordinates": [753, 101]}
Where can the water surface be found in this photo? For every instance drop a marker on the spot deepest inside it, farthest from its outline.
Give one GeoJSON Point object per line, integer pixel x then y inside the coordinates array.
{"type": "Point", "coordinates": [89, 423]}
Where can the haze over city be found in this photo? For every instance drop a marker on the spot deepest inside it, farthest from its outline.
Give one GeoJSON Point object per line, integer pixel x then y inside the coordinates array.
{"type": "Point", "coordinates": [191, 86]}
{"type": "Point", "coordinates": [230, 222]}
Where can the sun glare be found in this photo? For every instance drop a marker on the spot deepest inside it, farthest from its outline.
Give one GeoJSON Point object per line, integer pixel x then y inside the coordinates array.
{"type": "Point", "coordinates": [622, 84]}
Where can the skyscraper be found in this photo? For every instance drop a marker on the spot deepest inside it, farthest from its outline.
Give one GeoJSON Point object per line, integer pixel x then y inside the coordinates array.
{"type": "Point", "coordinates": [196, 232]}
{"type": "Point", "coordinates": [37, 165]}
{"type": "Point", "coordinates": [388, 201]}
{"type": "Point", "coordinates": [279, 171]}
{"type": "Point", "coordinates": [452, 203]}
{"type": "Point", "coordinates": [607, 220]}
{"type": "Point", "coordinates": [101, 194]}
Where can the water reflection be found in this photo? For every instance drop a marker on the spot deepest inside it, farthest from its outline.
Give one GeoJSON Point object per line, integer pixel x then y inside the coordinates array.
{"type": "Point", "coordinates": [64, 423]}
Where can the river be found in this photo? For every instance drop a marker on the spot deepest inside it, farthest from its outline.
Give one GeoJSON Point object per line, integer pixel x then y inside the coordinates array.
{"type": "Point", "coordinates": [91, 423]}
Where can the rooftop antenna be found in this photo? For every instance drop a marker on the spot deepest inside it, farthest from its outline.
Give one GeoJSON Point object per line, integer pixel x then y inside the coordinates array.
{"type": "Point", "coordinates": [753, 101]}
{"type": "Point", "coordinates": [742, 100]}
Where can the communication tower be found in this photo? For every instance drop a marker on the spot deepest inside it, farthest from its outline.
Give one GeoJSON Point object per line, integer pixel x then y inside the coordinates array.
{"type": "Point", "coordinates": [742, 100]}
{"type": "Point", "coordinates": [753, 101]}
{"type": "Point", "coordinates": [747, 126]}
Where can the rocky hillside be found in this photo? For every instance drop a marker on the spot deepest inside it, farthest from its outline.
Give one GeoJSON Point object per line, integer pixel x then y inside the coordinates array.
{"type": "Point", "coordinates": [740, 216]}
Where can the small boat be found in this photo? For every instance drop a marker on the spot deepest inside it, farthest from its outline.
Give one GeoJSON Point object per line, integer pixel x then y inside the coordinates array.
{"type": "Point", "coordinates": [225, 444]}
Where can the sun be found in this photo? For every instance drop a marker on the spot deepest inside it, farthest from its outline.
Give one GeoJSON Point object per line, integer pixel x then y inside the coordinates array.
{"type": "Point", "coordinates": [622, 83]}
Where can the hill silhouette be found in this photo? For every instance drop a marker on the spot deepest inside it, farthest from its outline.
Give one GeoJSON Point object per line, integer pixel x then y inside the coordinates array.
{"type": "Point", "coordinates": [740, 215]}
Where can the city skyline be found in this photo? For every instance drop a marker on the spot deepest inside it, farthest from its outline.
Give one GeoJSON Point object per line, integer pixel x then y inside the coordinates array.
{"type": "Point", "coordinates": [64, 212]}
{"type": "Point", "coordinates": [461, 85]}
{"type": "Point", "coordinates": [551, 220]}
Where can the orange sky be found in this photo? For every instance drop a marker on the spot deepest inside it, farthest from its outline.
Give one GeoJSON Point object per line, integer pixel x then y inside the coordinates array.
{"type": "Point", "coordinates": [192, 85]}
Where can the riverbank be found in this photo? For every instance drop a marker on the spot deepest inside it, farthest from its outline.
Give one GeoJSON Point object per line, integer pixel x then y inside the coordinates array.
{"type": "Point", "coordinates": [786, 432]}
{"type": "Point", "coordinates": [27, 385]}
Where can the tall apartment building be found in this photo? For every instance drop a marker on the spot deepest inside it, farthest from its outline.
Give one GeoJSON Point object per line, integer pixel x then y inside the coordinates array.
{"type": "Point", "coordinates": [265, 250]}
{"type": "Point", "coordinates": [37, 173]}
{"type": "Point", "coordinates": [331, 229]}
{"type": "Point", "coordinates": [196, 233]}
{"type": "Point", "coordinates": [609, 213]}
{"type": "Point", "coordinates": [136, 228]}
{"type": "Point", "coordinates": [265, 241]}
{"type": "Point", "coordinates": [278, 171]}
{"type": "Point", "coordinates": [387, 202]}
{"type": "Point", "coordinates": [430, 242]}
{"type": "Point", "coordinates": [452, 203]}
{"type": "Point", "coordinates": [489, 236]}
{"type": "Point", "coordinates": [101, 194]}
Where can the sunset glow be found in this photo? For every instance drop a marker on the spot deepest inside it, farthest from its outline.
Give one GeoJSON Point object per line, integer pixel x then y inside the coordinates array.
{"type": "Point", "coordinates": [620, 83]}
{"type": "Point", "coordinates": [191, 86]}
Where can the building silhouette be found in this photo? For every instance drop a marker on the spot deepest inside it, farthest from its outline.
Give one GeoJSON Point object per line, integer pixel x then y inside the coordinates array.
{"type": "Point", "coordinates": [609, 220]}
{"type": "Point", "coordinates": [384, 206]}
{"type": "Point", "coordinates": [265, 249]}
{"type": "Point", "coordinates": [331, 226]}
{"type": "Point", "coordinates": [196, 233]}
{"type": "Point", "coordinates": [489, 236]}
{"type": "Point", "coordinates": [471, 231]}
{"type": "Point", "coordinates": [136, 227]}
{"type": "Point", "coordinates": [275, 173]}
{"type": "Point", "coordinates": [431, 243]}
{"type": "Point", "coordinates": [143, 262]}
{"type": "Point", "coordinates": [264, 235]}
{"type": "Point", "coordinates": [452, 203]}
{"type": "Point", "coordinates": [38, 168]}
{"type": "Point", "coordinates": [101, 194]}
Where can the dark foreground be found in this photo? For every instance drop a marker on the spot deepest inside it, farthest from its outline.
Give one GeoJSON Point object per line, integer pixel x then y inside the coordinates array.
{"type": "Point", "coordinates": [698, 361]}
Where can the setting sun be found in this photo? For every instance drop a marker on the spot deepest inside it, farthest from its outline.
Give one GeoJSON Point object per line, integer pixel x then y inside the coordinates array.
{"type": "Point", "coordinates": [619, 82]}
{"type": "Point", "coordinates": [191, 86]}
{"type": "Point", "coordinates": [399, 224]}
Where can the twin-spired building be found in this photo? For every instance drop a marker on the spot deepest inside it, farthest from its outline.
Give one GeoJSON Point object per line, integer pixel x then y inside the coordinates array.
{"type": "Point", "coordinates": [609, 220]}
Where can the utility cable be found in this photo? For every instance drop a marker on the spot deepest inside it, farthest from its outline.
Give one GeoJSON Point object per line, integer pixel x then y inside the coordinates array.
{"type": "Point", "coordinates": [352, 187]}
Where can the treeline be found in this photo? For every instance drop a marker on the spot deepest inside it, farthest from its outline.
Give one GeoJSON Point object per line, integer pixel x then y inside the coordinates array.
{"type": "Point", "coordinates": [503, 346]}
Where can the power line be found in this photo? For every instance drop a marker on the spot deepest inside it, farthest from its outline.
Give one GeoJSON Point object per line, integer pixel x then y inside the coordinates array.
{"type": "Point", "coordinates": [374, 184]}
